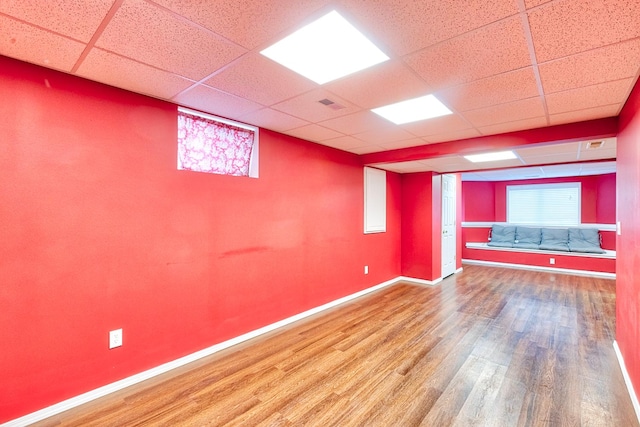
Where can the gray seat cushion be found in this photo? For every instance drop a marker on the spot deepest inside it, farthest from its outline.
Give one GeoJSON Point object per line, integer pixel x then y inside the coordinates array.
{"type": "Point", "coordinates": [502, 236]}
{"type": "Point", "coordinates": [555, 239]}
{"type": "Point", "coordinates": [527, 237]}
{"type": "Point", "coordinates": [586, 240]}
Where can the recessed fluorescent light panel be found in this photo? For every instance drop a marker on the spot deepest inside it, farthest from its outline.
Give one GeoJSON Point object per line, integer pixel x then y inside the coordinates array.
{"type": "Point", "coordinates": [412, 110]}
{"type": "Point", "coordinates": [326, 49]}
{"type": "Point", "coordinates": [491, 157]}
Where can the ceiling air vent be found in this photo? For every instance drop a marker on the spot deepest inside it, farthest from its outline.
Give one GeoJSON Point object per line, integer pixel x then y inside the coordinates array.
{"type": "Point", "coordinates": [329, 103]}
{"type": "Point", "coordinates": [593, 145]}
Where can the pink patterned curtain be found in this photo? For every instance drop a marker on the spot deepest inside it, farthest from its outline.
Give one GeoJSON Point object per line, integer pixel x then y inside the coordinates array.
{"type": "Point", "coordinates": [206, 145]}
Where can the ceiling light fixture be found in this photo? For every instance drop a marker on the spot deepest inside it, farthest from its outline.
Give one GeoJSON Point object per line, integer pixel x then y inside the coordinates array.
{"type": "Point", "coordinates": [413, 110]}
{"type": "Point", "coordinates": [325, 50]}
{"type": "Point", "coordinates": [491, 157]}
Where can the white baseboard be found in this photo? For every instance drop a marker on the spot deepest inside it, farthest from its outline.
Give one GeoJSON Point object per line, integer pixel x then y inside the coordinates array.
{"type": "Point", "coordinates": [627, 380]}
{"type": "Point", "coordinates": [145, 375]}
{"type": "Point", "coordinates": [423, 281]}
{"type": "Point", "coordinates": [598, 274]}
{"type": "Point", "coordinates": [419, 281]}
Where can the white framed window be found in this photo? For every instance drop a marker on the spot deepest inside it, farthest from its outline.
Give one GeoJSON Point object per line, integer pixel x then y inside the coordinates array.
{"type": "Point", "coordinates": [212, 144]}
{"type": "Point", "coordinates": [375, 200]}
{"type": "Point", "coordinates": [544, 204]}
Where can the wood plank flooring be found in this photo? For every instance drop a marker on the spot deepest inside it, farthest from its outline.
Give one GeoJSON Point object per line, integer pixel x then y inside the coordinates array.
{"type": "Point", "coordinates": [486, 347]}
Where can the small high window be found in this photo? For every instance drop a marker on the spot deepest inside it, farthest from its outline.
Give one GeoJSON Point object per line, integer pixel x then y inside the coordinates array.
{"type": "Point", "coordinates": [215, 145]}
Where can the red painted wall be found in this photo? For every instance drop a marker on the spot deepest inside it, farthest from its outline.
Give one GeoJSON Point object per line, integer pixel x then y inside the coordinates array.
{"type": "Point", "coordinates": [98, 231]}
{"type": "Point", "coordinates": [478, 201]}
{"type": "Point", "coordinates": [590, 186]}
{"type": "Point", "coordinates": [487, 201]}
{"type": "Point", "coordinates": [421, 225]}
{"type": "Point", "coordinates": [603, 265]}
{"type": "Point", "coordinates": [606, 199]}
{"type": "Point", "coordinates": [628, 243]}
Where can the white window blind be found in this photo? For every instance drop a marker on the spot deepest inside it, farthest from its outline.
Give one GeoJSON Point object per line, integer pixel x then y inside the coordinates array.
{"type": "Point", "coordinates": [544, 204]}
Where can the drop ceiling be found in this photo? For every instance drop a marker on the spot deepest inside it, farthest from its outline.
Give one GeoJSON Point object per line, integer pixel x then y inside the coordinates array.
{"type": "Point", "coordinates": [499, 65]}
{"type": "Point", "coordinates": [537, 161]}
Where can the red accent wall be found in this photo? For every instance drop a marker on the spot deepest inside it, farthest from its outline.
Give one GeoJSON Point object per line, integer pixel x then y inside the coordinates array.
{"type": "Point", "coordinates": [590, 185]}
{"type": "Point", "coordinates": [478, 201]}
{"type": "Point", "coordinates": [98, 231]}
{"type": "Point", "coordinates": [628, 243]}
{"type": "Point", "coordinates": [421, 225]}
{"type": "Point", "coordinates": [606, 199]}
{"type": "Point", "coordinates": [487, 201]}
{"type": "Point", "coordinates": [603, 265]}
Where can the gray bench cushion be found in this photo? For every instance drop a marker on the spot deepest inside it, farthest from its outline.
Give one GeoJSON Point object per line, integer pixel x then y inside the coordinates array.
{"type": "Point", "coordinates": [555, 239]}
{"type": "Point", "coordinates": [585, 240]}
{"type": "Point", "coordinates": [502, 236]}
{"type": "Point", "coordinates": [527, 237]}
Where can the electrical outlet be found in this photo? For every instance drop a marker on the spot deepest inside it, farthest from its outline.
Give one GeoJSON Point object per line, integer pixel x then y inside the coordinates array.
{"type": "Point", "coordinates": [366, 269]}
{"type": "Point", "coordinates": [115, 338]}
{"type": "Point", "coordinates": [552, 261]}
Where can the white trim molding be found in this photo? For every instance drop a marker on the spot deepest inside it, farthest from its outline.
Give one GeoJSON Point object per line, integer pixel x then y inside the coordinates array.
{"type": "Point", "coordinates": [481, 224]}
{"type": "Point", "coordinates": [627, 380]}
{"type": "Point", "coordinates": [158, 370]}
{"type": "Point", "coordinates": [419, 281]}
{"type": "Point", "coordinates": [598, 274]}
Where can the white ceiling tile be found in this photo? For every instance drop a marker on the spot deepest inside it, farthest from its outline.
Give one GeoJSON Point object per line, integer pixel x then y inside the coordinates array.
{"type": "Point", "coordinates": [308, 106]}
{"type": "Point", "coordinates": [149, 34]}
{"type": "Point", "coordinates": [210, 100]}
{"type": "Point", "coordinates": [32, 44]}
{"type": "Point", "coordinates": [271, 119]}
{"type": "Point", "coordinates": [314, 133]}
{"type": "Point", "coordinates": [274, 83]}
{"type": "Point", "coordinates": [114, 70]}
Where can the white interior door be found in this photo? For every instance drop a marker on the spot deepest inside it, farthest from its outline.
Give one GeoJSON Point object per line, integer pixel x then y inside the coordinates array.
{"type": "Point", "coordinates": [448, 225]}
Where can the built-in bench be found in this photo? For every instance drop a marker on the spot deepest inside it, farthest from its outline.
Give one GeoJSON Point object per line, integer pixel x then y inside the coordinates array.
{"type": "Point", "coordinates": [543, 248]}
{"type": "Point", "coordinates": [582, 240]}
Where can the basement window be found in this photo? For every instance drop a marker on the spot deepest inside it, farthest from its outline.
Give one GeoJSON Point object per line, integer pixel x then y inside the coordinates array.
{"type": "Point", "coordinates": [212, 144]}
{"type": "Point", "coordinates": [544, 204]}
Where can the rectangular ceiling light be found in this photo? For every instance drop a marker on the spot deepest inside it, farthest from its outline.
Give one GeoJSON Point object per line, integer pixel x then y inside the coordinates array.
{"type": "Point", "coordinates": [412, 110]}
{"type": "Point", "coordinates": [326, 49]}
{"type": "Point", "coordinates": [491, 157]}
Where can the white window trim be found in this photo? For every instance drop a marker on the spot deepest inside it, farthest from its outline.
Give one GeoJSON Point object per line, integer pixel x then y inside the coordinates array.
{"type": "Point", "coordinates": [254, 162]}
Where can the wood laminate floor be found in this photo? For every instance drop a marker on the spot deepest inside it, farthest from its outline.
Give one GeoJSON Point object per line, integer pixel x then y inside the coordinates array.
{"type": "Point", "coordinates": [486, 347]}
